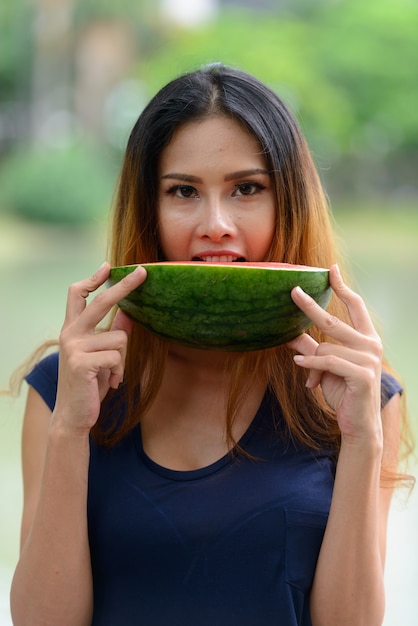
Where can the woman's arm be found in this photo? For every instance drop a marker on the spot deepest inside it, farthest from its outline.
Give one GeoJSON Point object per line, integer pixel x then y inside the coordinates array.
{"type": "Point", "coordinates": [52, 582]}
{"type": "Point", "coordinates": [348, 586]}
{"type": "Point", "coordinates": [349, 580]}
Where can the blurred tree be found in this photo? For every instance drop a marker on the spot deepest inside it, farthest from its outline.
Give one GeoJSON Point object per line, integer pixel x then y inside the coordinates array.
{"type": "Point", "coordinates": [15, 51]}
{"type": "Point", "coordinates": [15, 47]}
{"type": "Point", "coordinates": [348, 68]}
{"type": "Point", "coordinates": [71, 186]}
{"type": "Point", "coordinates": [369, 50]}
{"type": "Point", "coordinates": [51, 90]}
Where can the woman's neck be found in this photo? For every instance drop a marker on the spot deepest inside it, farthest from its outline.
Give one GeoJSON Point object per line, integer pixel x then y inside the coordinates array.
{"type": "Point", "coordinates": [185, 428]}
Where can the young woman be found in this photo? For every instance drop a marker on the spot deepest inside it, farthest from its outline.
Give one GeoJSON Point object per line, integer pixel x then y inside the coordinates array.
{"type": "Point", "coordinates": [173, 486]}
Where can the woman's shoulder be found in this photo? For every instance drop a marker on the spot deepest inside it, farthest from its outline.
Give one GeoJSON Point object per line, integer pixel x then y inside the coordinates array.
{"type": "Point", "coordinates": [390, 386]}
{"type": "Point", "coordinates": [44, 378]}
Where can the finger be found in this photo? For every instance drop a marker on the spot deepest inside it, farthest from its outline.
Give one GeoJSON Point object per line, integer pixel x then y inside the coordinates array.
{"type": "Point", "coordinates": [101, 304]}
{"type": "Point", "coordinates": [366, 360]}
{"type": "Point", "coordinates": [121, 327]}
{"type": "Point", "coordinates": [304, 344]}
{"type": "Point", "coordinates": [353, 374]}
{"type": "Point", "coordinates": [314, 379]}
{"type": "Point", "coordinates": [314, 375]}
{"type": "Point", "coordinates": [100, 342]}
{"type": "Point", "coordinates": [356, 306]}
{"type": "Point", "coordinates": [328, 323]}
{"type": "Point", "coordinates": [78, 292]}
{"type": "Point", "coordinates": [122, 322]}
{"type": "Point", "coordinates": [307, 346]}
{"type": "Point", "coordinates": [110, 363]}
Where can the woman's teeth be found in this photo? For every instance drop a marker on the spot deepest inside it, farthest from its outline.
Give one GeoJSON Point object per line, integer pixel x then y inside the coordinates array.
{"type": "Point", "coordinates": [219, 259]}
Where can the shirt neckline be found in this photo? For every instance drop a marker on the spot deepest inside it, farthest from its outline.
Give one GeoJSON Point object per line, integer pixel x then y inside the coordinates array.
{"type": "Point", "coordinates": [187, 475]}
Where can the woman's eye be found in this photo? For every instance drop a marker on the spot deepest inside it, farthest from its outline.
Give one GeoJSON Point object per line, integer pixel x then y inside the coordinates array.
{"type": "Point", "coordinates": [182, 191]}
{"type": "Point", "coordinates": [248, 189]}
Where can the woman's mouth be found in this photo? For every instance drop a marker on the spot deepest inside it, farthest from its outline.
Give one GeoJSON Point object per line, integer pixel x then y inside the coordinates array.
{"type": "Point", "coordinates": [222, 258]}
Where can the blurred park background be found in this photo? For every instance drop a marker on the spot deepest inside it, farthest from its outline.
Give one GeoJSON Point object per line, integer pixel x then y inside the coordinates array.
{"type": "Point", "coordinates": [75, 74]}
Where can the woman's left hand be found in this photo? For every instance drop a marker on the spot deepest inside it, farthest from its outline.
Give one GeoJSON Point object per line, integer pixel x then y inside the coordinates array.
{"type": "Point", "coordinates": [348, 371]}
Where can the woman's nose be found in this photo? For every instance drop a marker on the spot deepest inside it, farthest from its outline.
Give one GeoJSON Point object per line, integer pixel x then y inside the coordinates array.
{"type": "Point", "coordinates": [217, 221]}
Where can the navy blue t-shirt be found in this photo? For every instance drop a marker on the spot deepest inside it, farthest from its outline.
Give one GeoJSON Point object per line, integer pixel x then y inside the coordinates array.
{"type": "Point", "coordinates": [233, 543]}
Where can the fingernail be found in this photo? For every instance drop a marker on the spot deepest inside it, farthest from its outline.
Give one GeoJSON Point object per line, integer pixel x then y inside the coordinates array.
{"type": "Point", "coordinates": [300, 292]}
{"type": "Point", "coordinates": [94, 275]}
{"type": "Point", "coordinates": [132, 275]}
{"type": "Point", "coordinates": [298, 358]}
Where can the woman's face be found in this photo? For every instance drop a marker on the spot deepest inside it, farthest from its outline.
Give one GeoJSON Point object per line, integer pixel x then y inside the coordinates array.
{"type": "Point", "coordinates": [216, 197]}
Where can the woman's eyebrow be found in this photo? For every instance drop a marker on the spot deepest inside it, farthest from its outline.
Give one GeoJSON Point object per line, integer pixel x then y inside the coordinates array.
{"type": "Point", "coordinates": [245, 173]}
{"type": "Point", "coordinates": [186, 178]}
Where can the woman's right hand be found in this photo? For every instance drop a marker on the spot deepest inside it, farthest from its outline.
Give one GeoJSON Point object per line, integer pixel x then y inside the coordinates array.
{"type": "Point", "coordinates": [91, 362]}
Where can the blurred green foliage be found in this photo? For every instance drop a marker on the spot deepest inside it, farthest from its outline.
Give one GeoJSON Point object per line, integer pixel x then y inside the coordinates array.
{"type": "Point", "coordinates": [15, 48]}
{"type": "Point", "coordinates": [65, 186]}
{"type": "Point", "coordinates": [347, 68]}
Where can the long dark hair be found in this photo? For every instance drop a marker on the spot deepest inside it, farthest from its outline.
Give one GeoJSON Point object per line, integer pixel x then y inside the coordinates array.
{"type": "Point", "coordinates": [303, 235]}
{"type": "Point", "coordinates": [220, 90]}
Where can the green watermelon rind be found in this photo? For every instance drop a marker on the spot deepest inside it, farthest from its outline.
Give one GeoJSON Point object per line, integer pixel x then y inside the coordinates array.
{"type": "Point", "coordinates": [220, 308]}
